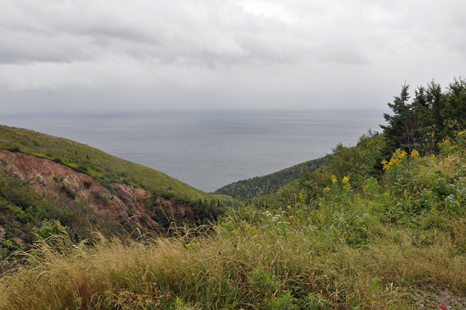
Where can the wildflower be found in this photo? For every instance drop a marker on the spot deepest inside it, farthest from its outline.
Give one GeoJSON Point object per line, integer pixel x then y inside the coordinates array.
{"type": "Point", "coordinates": [345, 180]}
{"type": "Point", "coordinates": [442, 307]}
{"type": "Point", "coordinates": [414, 154]}
{"type": "Point", "coordinates": [446, 141]}
{"type": "Point", "coordinates": [385, 164]}
{"type": "Point", "coordinates": [334, 179]}
{"type": "Point", "coordinates": [327, 189]}
{"type": "Point", "coordinates": [289, 207]}
{"type": "Point", "coordinates": [402, 154]}
{"type": "Point", "coordinates": [432, 157]}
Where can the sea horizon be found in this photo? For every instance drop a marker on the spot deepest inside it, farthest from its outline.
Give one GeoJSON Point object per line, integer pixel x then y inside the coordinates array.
{"type": "Point", "coordinates": [209, 149]}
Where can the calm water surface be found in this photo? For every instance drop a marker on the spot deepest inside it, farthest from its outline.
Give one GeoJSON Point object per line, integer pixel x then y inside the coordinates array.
{"type": "Point", "coordinates": [210, 150]}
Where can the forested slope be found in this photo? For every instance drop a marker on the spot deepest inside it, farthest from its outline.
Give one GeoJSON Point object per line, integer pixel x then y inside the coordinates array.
{"type": "Point", "coordinates": [268, 184]}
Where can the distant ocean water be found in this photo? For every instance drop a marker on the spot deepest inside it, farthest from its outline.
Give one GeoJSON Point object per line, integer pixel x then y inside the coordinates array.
{"type": "Point", "coordinates": [212, 149]}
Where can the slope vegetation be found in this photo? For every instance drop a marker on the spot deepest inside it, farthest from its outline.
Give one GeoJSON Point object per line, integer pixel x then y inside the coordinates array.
{"type": "Point", "coordinates": [268, 184]}
{"type": "Point", "coordinates": [45, 178]}
{"type": "Point", "coordinates": [103, 167]}
{"type": "Point", "coordinates": [381, 226]}
{"type": "Point", "coordinates": [396, 242]}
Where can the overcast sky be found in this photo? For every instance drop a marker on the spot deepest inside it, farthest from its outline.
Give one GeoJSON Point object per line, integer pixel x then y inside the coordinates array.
{"type": "Point", "coordinates": [118, 55]}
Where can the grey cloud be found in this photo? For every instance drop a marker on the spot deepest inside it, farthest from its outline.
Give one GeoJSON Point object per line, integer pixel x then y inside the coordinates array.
{"type": "Point", "coordinates": [232, 53]}
{"type": "Point", "coordinates": [241, 37]}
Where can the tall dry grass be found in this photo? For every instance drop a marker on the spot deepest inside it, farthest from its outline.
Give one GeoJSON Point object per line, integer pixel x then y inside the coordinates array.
{"type": "Point", "coordinates": [216, 272]}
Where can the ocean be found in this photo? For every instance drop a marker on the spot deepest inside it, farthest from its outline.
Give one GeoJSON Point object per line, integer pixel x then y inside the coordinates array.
{"type": "Point", "coordinates": [210, 149]}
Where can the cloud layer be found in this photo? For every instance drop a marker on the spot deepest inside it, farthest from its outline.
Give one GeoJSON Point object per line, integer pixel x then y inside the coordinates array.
{"type": "Point", "coordinates": [96, 55]}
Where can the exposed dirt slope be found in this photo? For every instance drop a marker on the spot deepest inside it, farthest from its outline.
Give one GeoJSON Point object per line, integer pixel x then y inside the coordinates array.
{"type": "Point", "coordinates": [49, 177]}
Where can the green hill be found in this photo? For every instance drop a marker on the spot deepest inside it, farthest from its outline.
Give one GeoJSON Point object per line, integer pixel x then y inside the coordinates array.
{"type": "Point", "coordinates": [34, 191]}
{"type": "Point", "coordinates": [98, 164]}
{"type": "Point", "coordinates": [268, 184]}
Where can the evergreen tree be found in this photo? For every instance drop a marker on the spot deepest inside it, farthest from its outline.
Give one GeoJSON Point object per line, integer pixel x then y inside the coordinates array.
{"type": "Point", "coordinates": [433, 116]}
{"type": "Point", "coordinates": [402, 129]}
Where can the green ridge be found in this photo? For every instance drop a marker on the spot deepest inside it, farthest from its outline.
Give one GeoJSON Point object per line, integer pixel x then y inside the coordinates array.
{"type": "Point", "coordinates": [269, 184]}
{"type": "Point", "coordinates": [103, 167]}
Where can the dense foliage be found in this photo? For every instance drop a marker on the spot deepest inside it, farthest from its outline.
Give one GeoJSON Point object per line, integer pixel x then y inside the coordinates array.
{"type": "Point", "coordinates": [432, 116]}
{"type": "Point", "coordinates": [268, 184]}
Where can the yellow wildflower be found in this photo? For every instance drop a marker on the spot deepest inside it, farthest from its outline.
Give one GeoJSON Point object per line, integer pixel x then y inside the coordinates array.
{"type": "Point", "coordinates": [432, 157]}
{"type": "Point", "coordinates": [327, 189]}
{"type": "Point", "coordinates": [414, 154]}
{"type": "Point", "coordinates": [345, 180]}
{"type": "Point", "coordinates": [401, 154]}
{"type": "Point", "coordinates": [385, 164]}
{"type": "Point", "coordinates": [334, 179]}
{"type": "Point", "coordinates": [396, 159]}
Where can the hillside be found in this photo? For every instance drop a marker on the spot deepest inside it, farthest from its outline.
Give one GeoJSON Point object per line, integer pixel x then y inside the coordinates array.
{"type": "Point", "coordinates": [397, 242]}
{"type": "Point", "coordinates": [45, 178]}
{"type": "Point", "coordinates": [268, 184]}
{"type": "Point", "coordinates": [103, 167]}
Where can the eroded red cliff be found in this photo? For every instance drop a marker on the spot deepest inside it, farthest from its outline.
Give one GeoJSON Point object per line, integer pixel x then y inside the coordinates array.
{"type": "Point", "coordinates": [50, 178]}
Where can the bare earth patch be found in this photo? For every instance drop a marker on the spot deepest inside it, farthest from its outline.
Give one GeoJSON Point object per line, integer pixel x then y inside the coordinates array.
{"type": "Point", "coordinates": [431, 297]}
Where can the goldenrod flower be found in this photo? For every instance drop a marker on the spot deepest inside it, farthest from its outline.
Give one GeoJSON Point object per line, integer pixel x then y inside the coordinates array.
{"type": "Point", "coordinates": [385, 164]}
{"type": "Point", "coordinates": [345, 180]}
{"type": "Point", "coordinates": [327, 189]}
{"type": "Point", "coordinates": [414, 154]}
{"type": "Point", "coordinates": [334, 179]}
